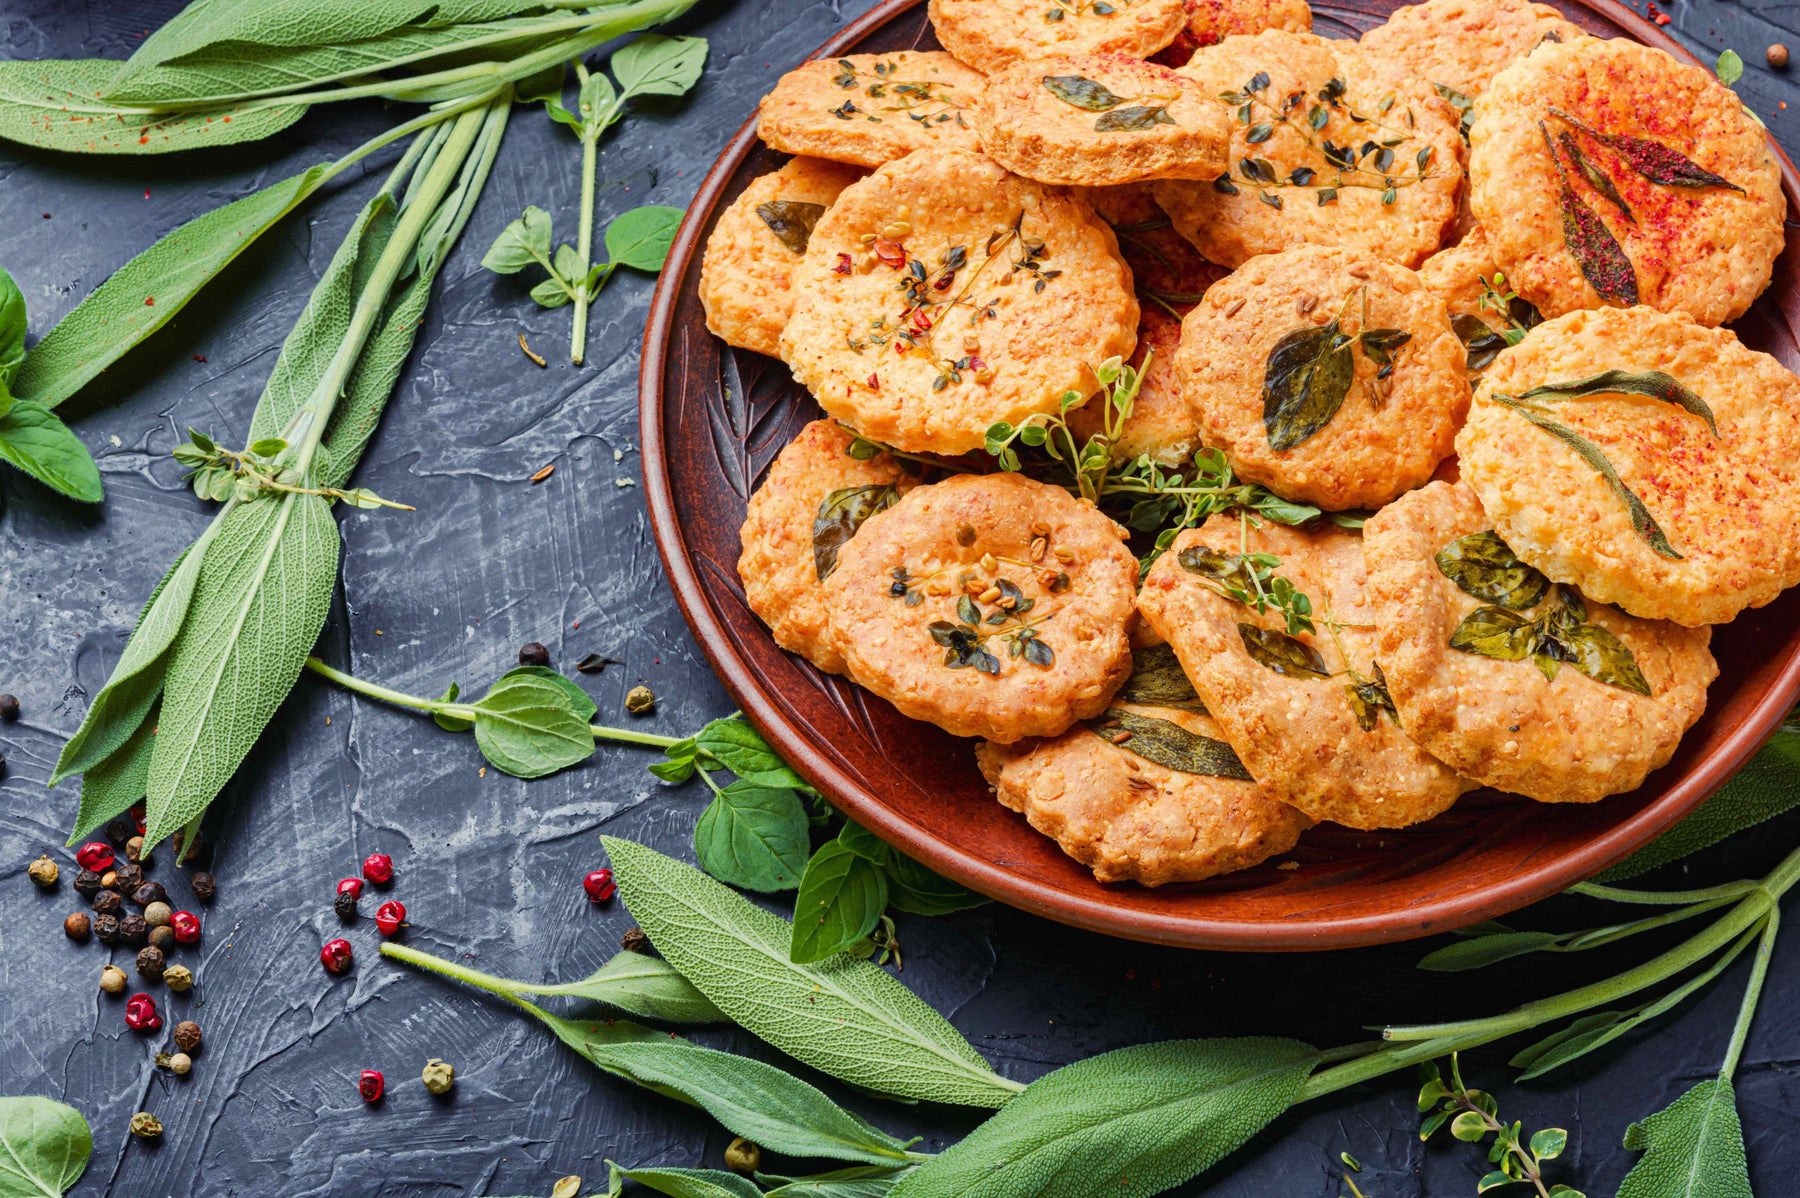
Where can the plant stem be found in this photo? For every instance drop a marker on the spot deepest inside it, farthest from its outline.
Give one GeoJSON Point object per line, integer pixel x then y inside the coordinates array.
{"type": "Point", "coordinates": [1672, 898]}
{"type": "Point", "coordinates": [462, 973]}
{"type": "Point", "coordinates": [1759, 972]}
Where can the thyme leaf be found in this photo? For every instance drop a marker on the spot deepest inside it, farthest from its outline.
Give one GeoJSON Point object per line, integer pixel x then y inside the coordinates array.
{"type": "Point", "coordinates": [1369, 698]}
{"type": "Point", "coordinates": [1169, 744]}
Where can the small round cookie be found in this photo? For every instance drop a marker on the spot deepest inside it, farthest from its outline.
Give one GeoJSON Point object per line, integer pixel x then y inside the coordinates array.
{"type": "Point", "coordinates": [1165, 266]}
{"type": "Point", "coordinates": [1463, 276]}
{"type": "Point", "coordinates": [814, 499]}
{"type": "Point", "coordinates": [1326, 375]}
{"type": "Point", "coordinates": [1099, 120]}
{"type": "Point", "coordinates": [1143, 794]}
{"type": "Point", "coordinates": [1699, 526]}
{"type": "Point", "coordinates": [1292, 183]}
{"type": "Point", "coordinates": [1315, 735]}
{"type": "Point", "coordinates": [944, 294]}
{"type": "Point", "coordinates": [871, 108]}
{"type": "Point", "coordinates": [750, 258]}
{"type": "Point", "coordinates": [1661, 190]}
{"type": "Point", "coordinates": [992, 34]}
{"type": "Point", "coordinates": [1210, 22]}
{"type": "Point", "coordinates": [1160, 423]}
{"type": "Point", "coordinates": [1463, 44]}
{"type": "Point", "coordinates": [1573, 729]}
{"type": "Point", "coordinates": [990, 605]}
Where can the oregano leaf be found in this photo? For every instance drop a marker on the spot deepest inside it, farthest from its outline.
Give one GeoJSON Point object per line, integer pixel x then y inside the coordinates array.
{"type": "Point", "coordinates": [842, 895]}
{"type": "Point", "coordinates": [754, 837]}
{"type": "Point", "coordinates": [641, 237]}
{"type": "Point", "coordinates": [533, 722]}
{"type": "Point", "coordinates": [44, 1147]}
{"type": "Point", "coordinates": [1305, 382]}
{"type": "Point", "coordinates": [655, 65]}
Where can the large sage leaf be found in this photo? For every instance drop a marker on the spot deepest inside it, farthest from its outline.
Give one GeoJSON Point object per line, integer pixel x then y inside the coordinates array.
{"type": "Point", "coordinates": [111, 787]}
{"type": "Point", "coordinates": [1169, 744]}
{"type": "Point", "coordinates": [1596, 251]}
{"type": "Point", "coordinates": [1693, 1148]}
{"type": "Point", "coordinates": [1597, 178]}
{"type": "Point", "coordinates": [860, 1181]}
{"type": "Point", "coordinates": [842, 895]}
{"type": "Point", "coordinates": [1484, 565]}
{"type": "Point", "coordinates": [1134, 119]}
{"type": "Point", "coordinates": [52, 104]}
{"type": "Point", "coordinates": [842, 1016]}
{"type": "Point", "coordinates": [1275, 650]}
{"type": "Point", "coordinates": [1126, 1124]}
{"type": "Point", "coordinates": [791, 221]}
{"type": "Point", "coordinates": [1082, 92]}
{"type": "Point", "coordinates": [755, 837]}
{"type": "Point", "coordinates": [1478, 952]}
{"type": "Point", "coordinates": [1651, 159]}
{"type": "Point", "coordinates": [1157, 680]}
{"type": "Point", "coordinates": [1653, 384]}
{"type": "Point", "coordinates": [648, 987]}
{"type": "Point", "coordinates": [1307, 377]}
{"type": "Point", "coordinates": [533, 721]}
{"type": "Point", "coordinates": [1480, 339]}
{"type": "Point", "coordinates": [35, 441]}
{"type": "Point", "coordinates": [693, 1183]}
{"type": "Point", "coordinates": [44, 1147]}
{"type": "Point", "coordinates": [840, 515]}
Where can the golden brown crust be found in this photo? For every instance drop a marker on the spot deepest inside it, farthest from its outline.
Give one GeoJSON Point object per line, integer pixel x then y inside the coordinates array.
{"type": "Point", "coordinates": [1096, 120]}
{"type": "Point", "coordinates": [1729, 505]}
{"type": "Point", "coordinates": [1463, 44]}
{"type": "Point", "coordinates": [1297, 735]}
{"type": "Point", "coordinates": [990, 35]}
{"type": "Point", "coordinates": [1002, 339]}
{"type": "Point", "coordinates": [1388, 436]}
{"type": "Point", "coordinates": [1130, 819]}
{"type": "Point", "coordinates": [778, 563]}
{"type": "Point", "coordinates": [1210, 22]}
{"type": "Point", "coordinates": [1167, 270]}
{"type": "Point", "coordinates": [953, 541]}
{"type": "Point", "coordinates": [1233, 226]}
{"type": "Point", "coordinates": [1455, 274]}
{"type": "Point", "coordinates": [1503, 723]}
{"type": "Point", "coordinates": [1161, 424]}
{"type": "Point", "coordinates": [1707, 251]}
{"type": "Point", "coordinates": [747, 270]}
{"type": "Point", "coordinates": [871, 108]}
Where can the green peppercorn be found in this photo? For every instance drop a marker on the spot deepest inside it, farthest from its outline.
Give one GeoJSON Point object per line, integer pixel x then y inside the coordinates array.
{"type": "Point", "coordinates": [743, 1156]}
{"type": "Point", "coordinates": [178, 978]}
{"type": "Point", "coordinates": [187, 1035]}
{"type": "Point", "coordinates": [438, 1076]}
{"type": "Point", "coordinates": [42, 872]}
{"type": "Point", "coordinates": [146, 1126]}
{"type": "Point", "coordinates": [157, 915]}
{"type": "Point", "coordinates": [640, 700]}
{"type": "Point", "coordinates": [150, 963]}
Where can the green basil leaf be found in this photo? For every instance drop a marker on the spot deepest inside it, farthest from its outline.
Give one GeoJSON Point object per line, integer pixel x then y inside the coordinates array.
{"type": "Point", "coordinates": [1157, 680]}
{"type": "Point", "coordinates": [533, 722]}
{"type": "Point", "coordinates": [842, 896]}
{"type": "Point", "coordinates": [734, 744]}
{"type": "Point", "coordinates": [451, 723]}
{"type": "Point", "coordinates": [521, 243]}
{"type": "Point", "coordinates": [840, 515]}
{"type": "Point", "coordinates": [916, 890]}
{"type": "Point", "coordinates": [1484, 566]}
{"type": "Point", "coordinates": [648, 987]}
{"type": "Point", "coordinates": [1134, 119]}
{"type": "Point", "coordinates": [655, 65]}
{"type": "Point", "coordinates": [111, 787]}
{"type": "Point", "coordinates": [1601, 656]}
{"type": "Point", "coordinates": [1596, 251]}
{"type": "Point", "coordinates": [1127, 1123]}
{"type": "Point", "coordinates": [1305, 382]}
{"type": "Point", "coordinates": [1275, 650]}
{"type": "Point", "coordinates": [35, 441]}
{"type": "Point", "coordinates": [1168, 744]}
{"type": "Point", "coordinates": [595, 100]}
{"type": "Point", "coordinates": [566, 264]}
{"type": "Point", "coordinates": [641, 237]}
{"type": "Point", "coordinates": [44, 1147]}
{"type": "Point", "coordinates": [791, 221]}
{"type": "Point", "coordinates": [1082, 92]}
{"type": "Point", "coordinates": [693, 1183]}
{"type": "Point", "coordinates": [1693, 1148]}
{"type": "Point", "coordinates": [552, 293]}
{"type": "Point", "coordinates": [754, 837]}
{"type": "Point", "coordinates": [1653, 384]}
{"type": "Point", "coordinates": [1497, 633]}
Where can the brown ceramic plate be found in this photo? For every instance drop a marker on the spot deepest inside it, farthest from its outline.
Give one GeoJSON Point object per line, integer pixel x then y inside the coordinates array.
{"type": "Point", "coordinates": [714, 418]}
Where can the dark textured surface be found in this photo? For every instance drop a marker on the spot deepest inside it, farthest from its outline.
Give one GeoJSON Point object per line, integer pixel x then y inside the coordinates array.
{"type": "Point", "coordinates": [490, 866]}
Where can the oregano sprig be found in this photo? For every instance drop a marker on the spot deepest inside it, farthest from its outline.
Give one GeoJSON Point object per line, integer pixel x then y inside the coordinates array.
{"type": "Point", "coordinates": [1473, 1116]}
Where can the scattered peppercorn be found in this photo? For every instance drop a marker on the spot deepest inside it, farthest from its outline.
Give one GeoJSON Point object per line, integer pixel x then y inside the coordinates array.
{"type": "Point", "coordinates": [186, 927]}
{"type": "Point", "coordinates": [146, 1126]}
{"type": "Point", "coordinates": [180, 1064]}
{"type": "Point", "coordinates": [640, 700]}
{"type": "Point", "coordinates": [106, 929]}
{"type": "Point", "coordinates": [96, 855]}
{"type": "Point", "coordinates": [43, 872]}
{"type": "Point", "coordinates": [150, 963]}
{"type": "Point", "coordinates": [1777, 55]}
{"type": "Point", "coordinates": [336, 955]}
{"type": "Point", "coordinates": [533, 654]}
{"type": "Point", "coordinates": [378, 868]}
{"type": "Point", "coordinates": [187, 1035]}
{"type": "Point", "coordinates": [634, 941]}
{"type": "Point", "coordinates": [106, 902]}
{"type": "Point", "coordinates": [87, 883]}
{"type": "Point", "coordinates": [134, 852]}
{"type": "Point", "coordinates": [178, 978]}
{"type": "Point", "coordinates": [351, 886]}
{"type": "Point", "coordinates": [119, 830]}
{"type": "Point", "coordinates": [133, 930]}
{"type": "Point", "coordinates": [157, 914]}
{"type": "Point", "coordinates": [125, 879]}
{"type": "Point", "coordinates": [566, 1187]}
{"type": "Point", "coordinates": [371, 1085]}
{"type": "Point", "coordinates": [203, 886]}
{"type": "Point", "coordinates": [9, 708]}
{"type": "Point", "coordinates": [390, 917]}
{"type": "Point", "coordinates": [112, 980]}
{"type": "Point", "coordinates": [743, 1156]}
{"type": "Point", "coordinates": [163, 939]}
{"type": "Point", "coordinates": [438, 1076]}
{"type": "Point", "coordinates": [599, 885]}
{"type": "Point", "coordinates": [345, 906]}
{"type": "Point", "coordinates": [140, 1013]}
{"type": "Point", "coordinates": [150, 892]}
{"type": "Point", "coordinates": [76, 926]}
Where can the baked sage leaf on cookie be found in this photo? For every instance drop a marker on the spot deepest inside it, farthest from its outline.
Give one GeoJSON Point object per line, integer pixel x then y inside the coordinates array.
{"type": "Point", "coordinates": [840, 514]}
{"type": "Point", "coordinates": [1275, 650]}
{"type": "Point", "coordinates": [1597, 178]}
{"type": "Point", "coordinates": [1307, 378]}
{"type": "Point", "coordinates": [1082, 92]}
{"type": "Point", "coordinates": [1133, 119]}
{"type": "Point", "coordinates": [791, 221]}
{"type": "Point", "coordinates": [1651, 159]}
{"type": "Point", "coordinates": [1157, 680]}
{"type": "Point", "coordinates": [1369, 698]}
{"type": "Point", "coordinates": [1169, 744]}
{"type": "Point", "coordinates": [1652, 384]}
{"type": "Point", "coordinates": [1560, 636]}
{"type": "Point", "coordinates": [1602, 260]}
{"type": "Point", "coordinates": [1480, 339]}
{"type": "Point", "coordinates": [1485, 567]}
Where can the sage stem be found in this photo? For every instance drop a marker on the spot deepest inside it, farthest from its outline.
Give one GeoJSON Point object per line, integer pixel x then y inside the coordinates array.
{"type": "Point", "coordinates": [1671, 898]}
{"type": "Point", "coordinates": [462, 973]}
{"type": "Point", "coordinates": [1759, 972]}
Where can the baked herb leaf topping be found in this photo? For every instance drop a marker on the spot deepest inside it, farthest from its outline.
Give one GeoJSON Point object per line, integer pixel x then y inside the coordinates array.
{"type": "Point", "coordinates": [1560, 636]}
{"type": "Point", "coordinates": [1082, 92]}
{"type": "Point", "coordinates": [1133, 119]}
{"type": "Point", "coordinates": [1275, 650]}
{"type": "Point", "coordinates": [1497, 633]}
{"type": "Point", "coordinates": [1157, 680]}
{"type": "Point", "coordinates": [963, 646]}
{"type": "Point", "coordinates": [1369, 698]}
{"type": "Point", "coordinates": [1597, 178]}
{"type": "Point", "coordinates": [1308, 375]}
{"type": "Point", "coordinates": [1651, 159]}
{"type": "Point", "coordinates": [1250, 579]}
{"type": "Point", "coordinates": [791, 221]}
{"type": "Point", "coordinates": [1479, 338]}
{"type": "Point", "coordinates": [1169, 744]}
{"type": "Point", "coordinates": [1602, 260]}
{"type": "Point", "coordinates": [1485, 567]}
{"type": "Point", "coordinates": [840, 514]}
{"type": "Point", "coordinates": [1653, 384]}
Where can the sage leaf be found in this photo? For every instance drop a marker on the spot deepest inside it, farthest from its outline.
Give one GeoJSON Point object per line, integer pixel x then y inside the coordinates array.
{"type": "Point", "coordinates": [1127, 1123]}
{"type": "Point", "coordinates": [648, 987]}
{"type": "Point", "coordinates": [1597, 178]}
{"type": "Point", "coordinates": [533, 722]}
{"type": "Point", "coordinates": [754, 837]}
{"type": "Point", "coordinates": [842, 895]}
{"type": "Point", "coordinates": [51, 104]}
{"type": "Point", "coordinates": [36, 442]}
{"type": "Point", "coordinates": [1478, 952]}
{"type": "Point", "coordinates": [845, 1017]}
{"type": "Point", "coordinates": [654, 65]}
{"type": "Point", "coordinates": [1134, 119]}
{"type": "Point", "coordinates": [521, 243]}
{"type": "Point", "coordinates": [1596, 251]}
{"type": "Point", "coordinates": [1157, 680]}
{"type": "Point", "coordinates": [862, 1181]}
{"type": "Point", "coordinates": [693, 1183]}
{"type": "Point", "coordinates": [840, 515]}
{"type": "Point", "coordinates": [1082, 92]}
{"type": "Point", "coordinates": [112, 787]}
{"type": "Point", "coordinates": [1484, 566]}
{"type": "Point", "coordinates": [1653, 384]}
{"type": "Point", "coordinates": [1497, 633]}
{"type": "Point", "coordinates": [1600, 655]}
{"type": "Point", "coordinates": [1307, 377]}
{"type": "Point", "coordinates": [1693, 1148]}
{"type": "Point", "coordinates": [1169, 744]}
{"type": "Point", "coordinates": [1275, 650]}
{"type": "Point", "coordinates": [1479, 339]}
{"type": "Point", "coordinates": [791, 221]}
{"type": "Point", "coordinates": [917, 890]}
{"type": "Point", "coordinates": [641, 237]}
{"type": "Point", "coordinates": [1577, 1030]}
{"type": "Point", "coordinates": [738, 747]}
{"type": "Point", "coordinates": [44, 1147]}
{"type": "Point", "coordinates": [1653, 160]}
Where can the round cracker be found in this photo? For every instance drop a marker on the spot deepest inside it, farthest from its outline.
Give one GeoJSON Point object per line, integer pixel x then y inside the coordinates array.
{"type": "Point", "coordinates": [1570, 739]}
{"type": "Point", "coordinates": [925, 358]}
{"type": "Point", "coordinates": [1161, 423]}
{"type": "Point", "coordinates": [1464, 276]}
{"type": "Point", "coordinates": [904, 587]}
{"type": "Point", "coordinates": [1729, 505]}
{"type": "Point", "coordinates": [1388, 436]}
{"type": "Point", "coordinates": [869, 109]}
{"type": "Point", "coordinates": [1210, 22]}
{"type": "Point", "coordinates": [1165, 267]}
{"type": "Point", "coordinates": [1098, 120]}
{"type": "Point", "coordinates": [1299, 734]}
{"type": "Point", "coordinates": [1706, 251]}
{"type": "Point", "coordinates": [814, 498]}
{"type": "Point", "coordinates": [1250, 213]}
{"type": "Point", "coordinates": [990, 35]}
{"type": "Point", "coordinates": [747, 270]}
{"type": "Point", "coordinates": [1463, 44]}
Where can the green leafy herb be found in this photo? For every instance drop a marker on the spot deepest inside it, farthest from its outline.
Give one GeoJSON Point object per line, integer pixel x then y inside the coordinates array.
{"type": "Point", "coordinates": [36, 442]}
{"type": "Point", "coordinates": [1157, 680]}
{"type": "Point", "coordinates": [1730, 67]}
{"type": "Point", "coordinates": [1250, 579]}
{"type": "Point", "coordinates": [1651, 159]}
{"type": "Point", "coordinates": [1305, 382]}
{"type": "Point", "coordinates": [791, 221]}
{"type": "Point", "coordinates": [1479, 338]}
{"type": "Point", "coordinates": [1169, 744]}
{"type": "Point", "coordinates": [1134, 119]}
{"type": "Point", "coordinates": [1596, 251]}
{"type": "Point", "coordinates": [44, 1147]}
{"type": "Point", "coordinates": [1082, 92]}
{"type": "Point", "coordinates": [691, 1183]}
{"type": "Point", "coordinates": [1693, 1147]}
{"type": "Point", "coordinates": [1561, 635]}
{"type": "Point", "coordinates": [918, 891]}
{"type": "Point", "coordinates": [754, 837]}
{"type": "Point", "coordinates": [116, 784]}
{"type": "Point", "coordinates": [1653, 384]}
{"type": "Point", "coordinates": [1473, 1116]}
{"type": "Point", "coordinates": [863, 1181]}
{"type": "Point", "coordinates": [1597, 178]}
{"type": "Point", "coordinates": [1275, 650]}
{"type": "Point", "coordinates": [645, 242]}
{"type": "Point", "coordinates": [841, 898]}
{"type": "Point", "coordinates": [1497, 633]}
{"type": "Point", "coordinates": [1465, 107]}
{"type": "Point", "coordinates": [1368, 698]}
{"type": "Point", "coordinates": [1485, 566]}
{"type": "Point", "coordinates": [219, 474]}
{"type": "Point", "coordinates": [648, 987]}
{"type": "Point", "coordinates": [840, 515]}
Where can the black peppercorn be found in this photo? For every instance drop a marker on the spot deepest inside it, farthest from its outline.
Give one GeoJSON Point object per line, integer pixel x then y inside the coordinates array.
{"type": "Point", "coordinates": [163, 939]}
{"type": "Point", "coordinates": [203, 886]}
{"type": "Point", "coordinates": [120, 830]}
{"type": "Point", "coordinates": [127, 877]}
{"type": "Point", "coordinates": [106, 902]}
{"type": "Point", "coordinates": [9, 708]}
{"type": "Point", "coordinates": [150, 963]}
{"type": "Point", "coordinates": [106, 929]}
{"type": "Point", "coordinates": [187, 1035]}
{"type": "Point", "coordinates": [635, 941]}
{"type": "Point", "coordinates": [87, 883]}
{"type": "Point", "coordinates": [77, 926]}
{"type": "Point", "coordinates": [149, 892]}
{"type": "Point", "coordinates": [133, 930]}
{"type": "Point", "coordinates": [533, 654]}
{"type": "Point", "coordinates": [345, 906]}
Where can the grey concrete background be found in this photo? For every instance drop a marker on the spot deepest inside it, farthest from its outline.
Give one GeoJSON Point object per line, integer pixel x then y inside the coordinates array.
{"type": "Point", "coordinates": [489, 866]}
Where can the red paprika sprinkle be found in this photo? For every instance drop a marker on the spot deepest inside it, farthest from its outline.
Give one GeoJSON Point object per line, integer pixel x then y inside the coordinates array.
{"type": "Point", "coordinates": [874, 381]}
{"type": "Point", "coordinates": [843, 266]}
{"type": "Point", "coordinates": [890, 253]}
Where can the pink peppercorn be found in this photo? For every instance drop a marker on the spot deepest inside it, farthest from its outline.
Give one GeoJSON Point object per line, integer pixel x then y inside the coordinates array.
{"type": "Point", "coordinates": [599, 885]}
{"type": "Point", "coordinates": [390, 916]}
{"type": "Point", "coordinates": [335, 955]}
{"type": "Point", "coordinates": [351, 887]}
{"type": "Point", "coordinates": [140, 1013]}
{"type": "Point", "coordinates": [371, 1085]}
{"type": "Point", "coordinates": [378, 868]}
{"type": "Point", "coordinates": [186, 926]}
{"type": "Point", "coordinates": [96, 855]}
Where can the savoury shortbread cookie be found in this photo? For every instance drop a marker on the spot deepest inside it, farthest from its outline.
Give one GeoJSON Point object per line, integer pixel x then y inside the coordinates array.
{"type": "Point", "coordinates": [869, 109]}
{"type": "Point", "coordinates": [1513, 680]}
{"type": "Point", "coordinates": [1165, 267]}
{"type": "Point", "coordinates": [1606, 172]}
{"type": "Point", "coordinates": [1143, 794]}
{"type": "Point", "coordinates": [1095, 120]}
{"type": "Point", "coordinates": [1483, 309]}
{"type": "Point", "coordinates": [1316, 729]}
{"type": "Point", "coordinates": [990, 605]}
{"type": "Point", "coordinates": [1699, 524]}
{"type": "Point", "coordinates": [1160, 422]}
{"type": "Point", "coordinates": [1463, 44]}
{"type": "Point", "coordinates": [1307, 164]}
{"type": "Point", "coordinates": [943, 294]}
{"type": "Point", "coordinates": [1210, 22]}
{"type": "Point", "coordinates": [1329, 376]}
{"type": "Point", "coordinates": [992, 34]}
{"type": "Point", "coordinates": [815, 498]}
{"type": "Point", "coordinates": [750, 258]}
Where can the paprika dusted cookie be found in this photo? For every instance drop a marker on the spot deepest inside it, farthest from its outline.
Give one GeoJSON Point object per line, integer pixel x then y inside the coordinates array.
{"type": "Point", "coordinates": [1095, 120]}
{"type": "Point", "coordinates": [1143, 794]}
{"type": "Point", "coordinates": [1316, 728]}
{"type": "Point", "coordinates": [943, 294]}
{"type": "Point", "coordinates": [991, 35]}
{"type": "Point", "coordinates": [1327, 375]}
{"type": "Point", "coordinates": [1308, 116]}
{"type": "Point", "coordinates": [1511, 679]}
{"type": "Point", "coordinates": [750, 258]}
{"type": "Point", "coordinates": [990, 605]}
{"type": "Point", "coordinates": [1159, 421]}
{"type": "Point", "coordinates": [815, 498]}
{"type": "Point", "coordinates": [1483, 309]}
{"type": "Point", "coordinates": [1607, 172]}
{"type": "Point", "coordinates": [1210, 22]}
{"type": "Point", "coordinates": [1644, 458]}
{"type": "Point", "coordinates": [871, 108]}
{"type": "Point", "coordinates": [1463, 44]}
